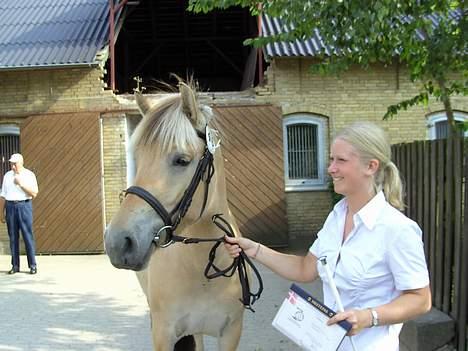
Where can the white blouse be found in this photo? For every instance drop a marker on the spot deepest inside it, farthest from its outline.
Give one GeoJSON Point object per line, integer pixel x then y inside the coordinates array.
{"type": "Point", "coordinates": [382, 256]}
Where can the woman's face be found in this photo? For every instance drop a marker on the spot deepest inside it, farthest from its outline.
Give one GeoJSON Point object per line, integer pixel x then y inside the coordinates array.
{"type": "Point", "coordinates": [349, 174]}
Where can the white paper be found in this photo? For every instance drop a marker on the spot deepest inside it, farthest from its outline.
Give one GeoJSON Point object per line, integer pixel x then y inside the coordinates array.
{"type": "Point", "coordinates": [303, 320]}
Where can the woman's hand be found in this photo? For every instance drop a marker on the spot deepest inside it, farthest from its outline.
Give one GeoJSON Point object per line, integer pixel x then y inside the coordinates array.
{"type": "Point", "coordinates": [359, 320]}
{"type": "Point", "coordinates": [235, 245]}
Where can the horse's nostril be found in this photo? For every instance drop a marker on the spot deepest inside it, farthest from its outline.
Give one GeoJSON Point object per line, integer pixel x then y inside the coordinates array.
{"type": "Point", "coordinates": [127, 244]}
{"type": "Point", "coordinates": [127, 249]}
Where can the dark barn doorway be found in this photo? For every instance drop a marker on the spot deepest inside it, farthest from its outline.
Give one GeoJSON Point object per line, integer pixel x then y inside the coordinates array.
{"type": "Point", "coordinates": [160, 37]}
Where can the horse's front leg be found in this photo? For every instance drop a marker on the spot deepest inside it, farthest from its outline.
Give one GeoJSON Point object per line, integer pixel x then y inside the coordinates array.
{"type": "Point", "coordinates": [161, 342]}
{"type": "Point", "coordinates": [229, 339]}
{"type": "Point", "coordinates": [163, 337]}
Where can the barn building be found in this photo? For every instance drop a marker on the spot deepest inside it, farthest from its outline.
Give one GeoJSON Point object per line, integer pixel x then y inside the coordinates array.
{"type": "Point", "coordinates": [67, 74]}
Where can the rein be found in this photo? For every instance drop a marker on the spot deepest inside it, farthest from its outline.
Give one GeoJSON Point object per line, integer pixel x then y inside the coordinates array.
{"type": "Point", "coordinates": [239, 263]}
{"type": "Point", "coordinates": [205, 169]}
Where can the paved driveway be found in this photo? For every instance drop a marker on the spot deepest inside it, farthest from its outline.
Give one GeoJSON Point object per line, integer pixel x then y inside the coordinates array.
{"type": "Point", "coordinates": [82, 303]}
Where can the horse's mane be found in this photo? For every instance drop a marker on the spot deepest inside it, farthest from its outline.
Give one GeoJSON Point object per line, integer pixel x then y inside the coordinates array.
{"type": "Point", "coordinates": [165, 125]}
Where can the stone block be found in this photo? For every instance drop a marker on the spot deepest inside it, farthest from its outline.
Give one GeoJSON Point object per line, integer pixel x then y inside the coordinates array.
{"type": "Point", "coordinates": [428, 332]}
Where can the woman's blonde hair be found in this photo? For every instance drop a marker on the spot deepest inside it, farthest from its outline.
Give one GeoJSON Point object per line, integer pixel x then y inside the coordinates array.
{"type": "Point", "coordinates": [370, 142]}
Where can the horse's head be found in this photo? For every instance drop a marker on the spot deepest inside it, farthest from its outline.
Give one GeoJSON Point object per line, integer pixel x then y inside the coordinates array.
{"type": "Point", "coordinates": [167, 145]}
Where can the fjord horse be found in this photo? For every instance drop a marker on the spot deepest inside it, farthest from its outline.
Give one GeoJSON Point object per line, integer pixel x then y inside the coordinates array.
{"type": "Point", "coordinates": [169, 145]}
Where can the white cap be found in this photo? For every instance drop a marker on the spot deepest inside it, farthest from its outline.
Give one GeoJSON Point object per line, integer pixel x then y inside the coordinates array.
{"type": "Point", "coordinates": [16, 158]}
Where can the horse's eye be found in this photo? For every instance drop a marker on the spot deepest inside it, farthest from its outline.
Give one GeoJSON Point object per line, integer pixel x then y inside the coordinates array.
{"type": "Point", "coordinates": [181, 161]}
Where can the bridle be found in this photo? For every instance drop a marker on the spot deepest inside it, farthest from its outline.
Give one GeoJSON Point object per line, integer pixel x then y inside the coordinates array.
{"type": "Point", "coordinates": [173, 218]}
{"type": "Point", "coordinates": [204, 172]}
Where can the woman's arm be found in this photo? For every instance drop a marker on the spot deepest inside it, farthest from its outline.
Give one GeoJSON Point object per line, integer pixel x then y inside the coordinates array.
{"type": "Point", "coordinates": [291, 267]}
{"type": "Point", "coordinates": [409, 305]}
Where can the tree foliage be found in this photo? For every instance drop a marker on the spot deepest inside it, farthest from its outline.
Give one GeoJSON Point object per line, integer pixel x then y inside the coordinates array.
{"type": "Point", "coordinates": [428, 37]}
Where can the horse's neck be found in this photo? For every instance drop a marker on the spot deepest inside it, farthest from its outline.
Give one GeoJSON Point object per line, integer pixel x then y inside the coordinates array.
{"type": "Point", "coordinates": [217, 204]}
{"type": "Point", "coordinates": [205, 228]}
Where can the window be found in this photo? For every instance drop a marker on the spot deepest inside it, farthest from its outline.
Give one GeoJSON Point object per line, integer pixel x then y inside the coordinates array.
{"type": "Point", "coordinates": [9, 144]}
{"type": "Point", "coordinates": [304, 152]}
{"type": "Point", "coordinates": [437, 124]}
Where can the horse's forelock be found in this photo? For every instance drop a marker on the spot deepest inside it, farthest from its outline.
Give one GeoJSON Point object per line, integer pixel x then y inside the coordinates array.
{"type": "Point", "coordinates": [165, 126]}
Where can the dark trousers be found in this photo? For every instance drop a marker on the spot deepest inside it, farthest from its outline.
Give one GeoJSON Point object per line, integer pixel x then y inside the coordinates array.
{"type": "Point", "coordinates": [19, 216]}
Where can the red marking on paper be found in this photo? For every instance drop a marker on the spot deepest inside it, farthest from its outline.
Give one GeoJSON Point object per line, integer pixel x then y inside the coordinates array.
{"type": "Point", "coordinates": [292, 297]}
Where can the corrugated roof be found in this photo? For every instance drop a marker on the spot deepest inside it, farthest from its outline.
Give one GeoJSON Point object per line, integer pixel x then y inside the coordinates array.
{"type": "Point", "coordinates": [313, 45]}
{"type": "Point", "coordinates": [41, 33]}
{"type": "Point", "coordinates": [309, 47]}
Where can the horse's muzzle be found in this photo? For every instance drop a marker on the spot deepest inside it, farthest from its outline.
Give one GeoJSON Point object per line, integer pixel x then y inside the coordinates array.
{"type": "Point", "coordinates": [125, 250]}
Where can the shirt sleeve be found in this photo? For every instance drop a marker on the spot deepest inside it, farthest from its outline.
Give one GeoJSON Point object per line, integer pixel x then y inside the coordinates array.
{"type": "Point", "coordinates": [406, 258]}
{"type": "Point", "coordinates": [315, 247]}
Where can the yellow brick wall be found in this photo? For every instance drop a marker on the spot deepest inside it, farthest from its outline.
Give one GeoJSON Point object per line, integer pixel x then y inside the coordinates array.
{"type": "Point", "coordinates": [306, 213]}
{"type": "Point", "coordinates": [355, 95]}
{"type": "Point", "coordinates": [114, 162]}
{"type": "Point", "coordinates": [54, 90]}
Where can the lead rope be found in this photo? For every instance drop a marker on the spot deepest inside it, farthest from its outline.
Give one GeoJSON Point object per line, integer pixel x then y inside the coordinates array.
{"type": "Point", "coordinates": [239, 263]}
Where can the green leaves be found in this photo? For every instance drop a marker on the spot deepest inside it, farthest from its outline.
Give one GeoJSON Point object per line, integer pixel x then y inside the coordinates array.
{"type": "Point", "coordinates": [204, 6]}
{"type": "Point", "coordinates": [392, 110]}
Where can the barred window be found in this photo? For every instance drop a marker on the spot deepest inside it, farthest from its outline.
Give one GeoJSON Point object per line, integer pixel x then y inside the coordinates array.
{"type": "Point", "coordinates": [304, 152]}
{"type": "Point", "coordinates": [9, 144]}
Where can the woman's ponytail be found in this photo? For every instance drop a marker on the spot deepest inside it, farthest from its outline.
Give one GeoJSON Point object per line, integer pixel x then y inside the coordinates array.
{"type": "Point", "coordinates": [392, 186]}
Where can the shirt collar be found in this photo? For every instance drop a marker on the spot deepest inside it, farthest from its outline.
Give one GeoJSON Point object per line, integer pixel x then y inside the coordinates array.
{"type": "Point", "coordinates": [341, 206]}
{"type": "Point", "coordinates": [369, 213]}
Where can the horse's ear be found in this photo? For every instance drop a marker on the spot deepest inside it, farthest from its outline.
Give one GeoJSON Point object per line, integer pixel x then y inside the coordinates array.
{"type": "Point", "coordinates": [144, 103]}
{"type": "Point", "coordinates": [190, 105]}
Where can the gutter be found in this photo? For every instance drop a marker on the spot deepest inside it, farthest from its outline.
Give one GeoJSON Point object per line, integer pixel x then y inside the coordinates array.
{"type": "Point", "coordinates": [51, 66]}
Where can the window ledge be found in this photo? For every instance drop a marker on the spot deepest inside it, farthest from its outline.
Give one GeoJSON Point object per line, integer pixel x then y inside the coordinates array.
{"type": "Point", "coordinates": [308, 187]}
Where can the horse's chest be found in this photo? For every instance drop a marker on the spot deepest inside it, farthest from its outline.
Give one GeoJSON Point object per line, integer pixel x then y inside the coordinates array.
{"type": "Point", "coordinates": [210, 321]}
{"type": "Point", "coordinates": [181, 297]}
{"type": "Point", "coordinates": [203, 312]}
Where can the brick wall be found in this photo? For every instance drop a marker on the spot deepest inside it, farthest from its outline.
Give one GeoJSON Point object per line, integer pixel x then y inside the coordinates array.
{"type": "Point", "coordinates": [114, 162]}
{"type": "Point", "coordinates": [305, 217]}
{"type": "Point", "coordinates": [31, 92]}
{"type": "Point", "coordinates": [355, 95]}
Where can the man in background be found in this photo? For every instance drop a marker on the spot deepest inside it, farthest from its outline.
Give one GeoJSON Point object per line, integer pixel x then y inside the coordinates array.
{"type": "Point", "coordinates": [18, 189]}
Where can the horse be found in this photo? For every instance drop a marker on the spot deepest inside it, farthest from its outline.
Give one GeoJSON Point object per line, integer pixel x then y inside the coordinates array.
{"type": "Point", "coordinates": [170, 145]}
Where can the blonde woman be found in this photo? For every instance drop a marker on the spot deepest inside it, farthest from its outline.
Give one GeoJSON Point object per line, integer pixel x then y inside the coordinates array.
{"type": "Point", "coordinates": [375, 253]}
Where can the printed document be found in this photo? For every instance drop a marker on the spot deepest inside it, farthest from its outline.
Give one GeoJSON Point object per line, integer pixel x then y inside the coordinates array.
{"type": "Point", "coordinates": [303, 319]}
